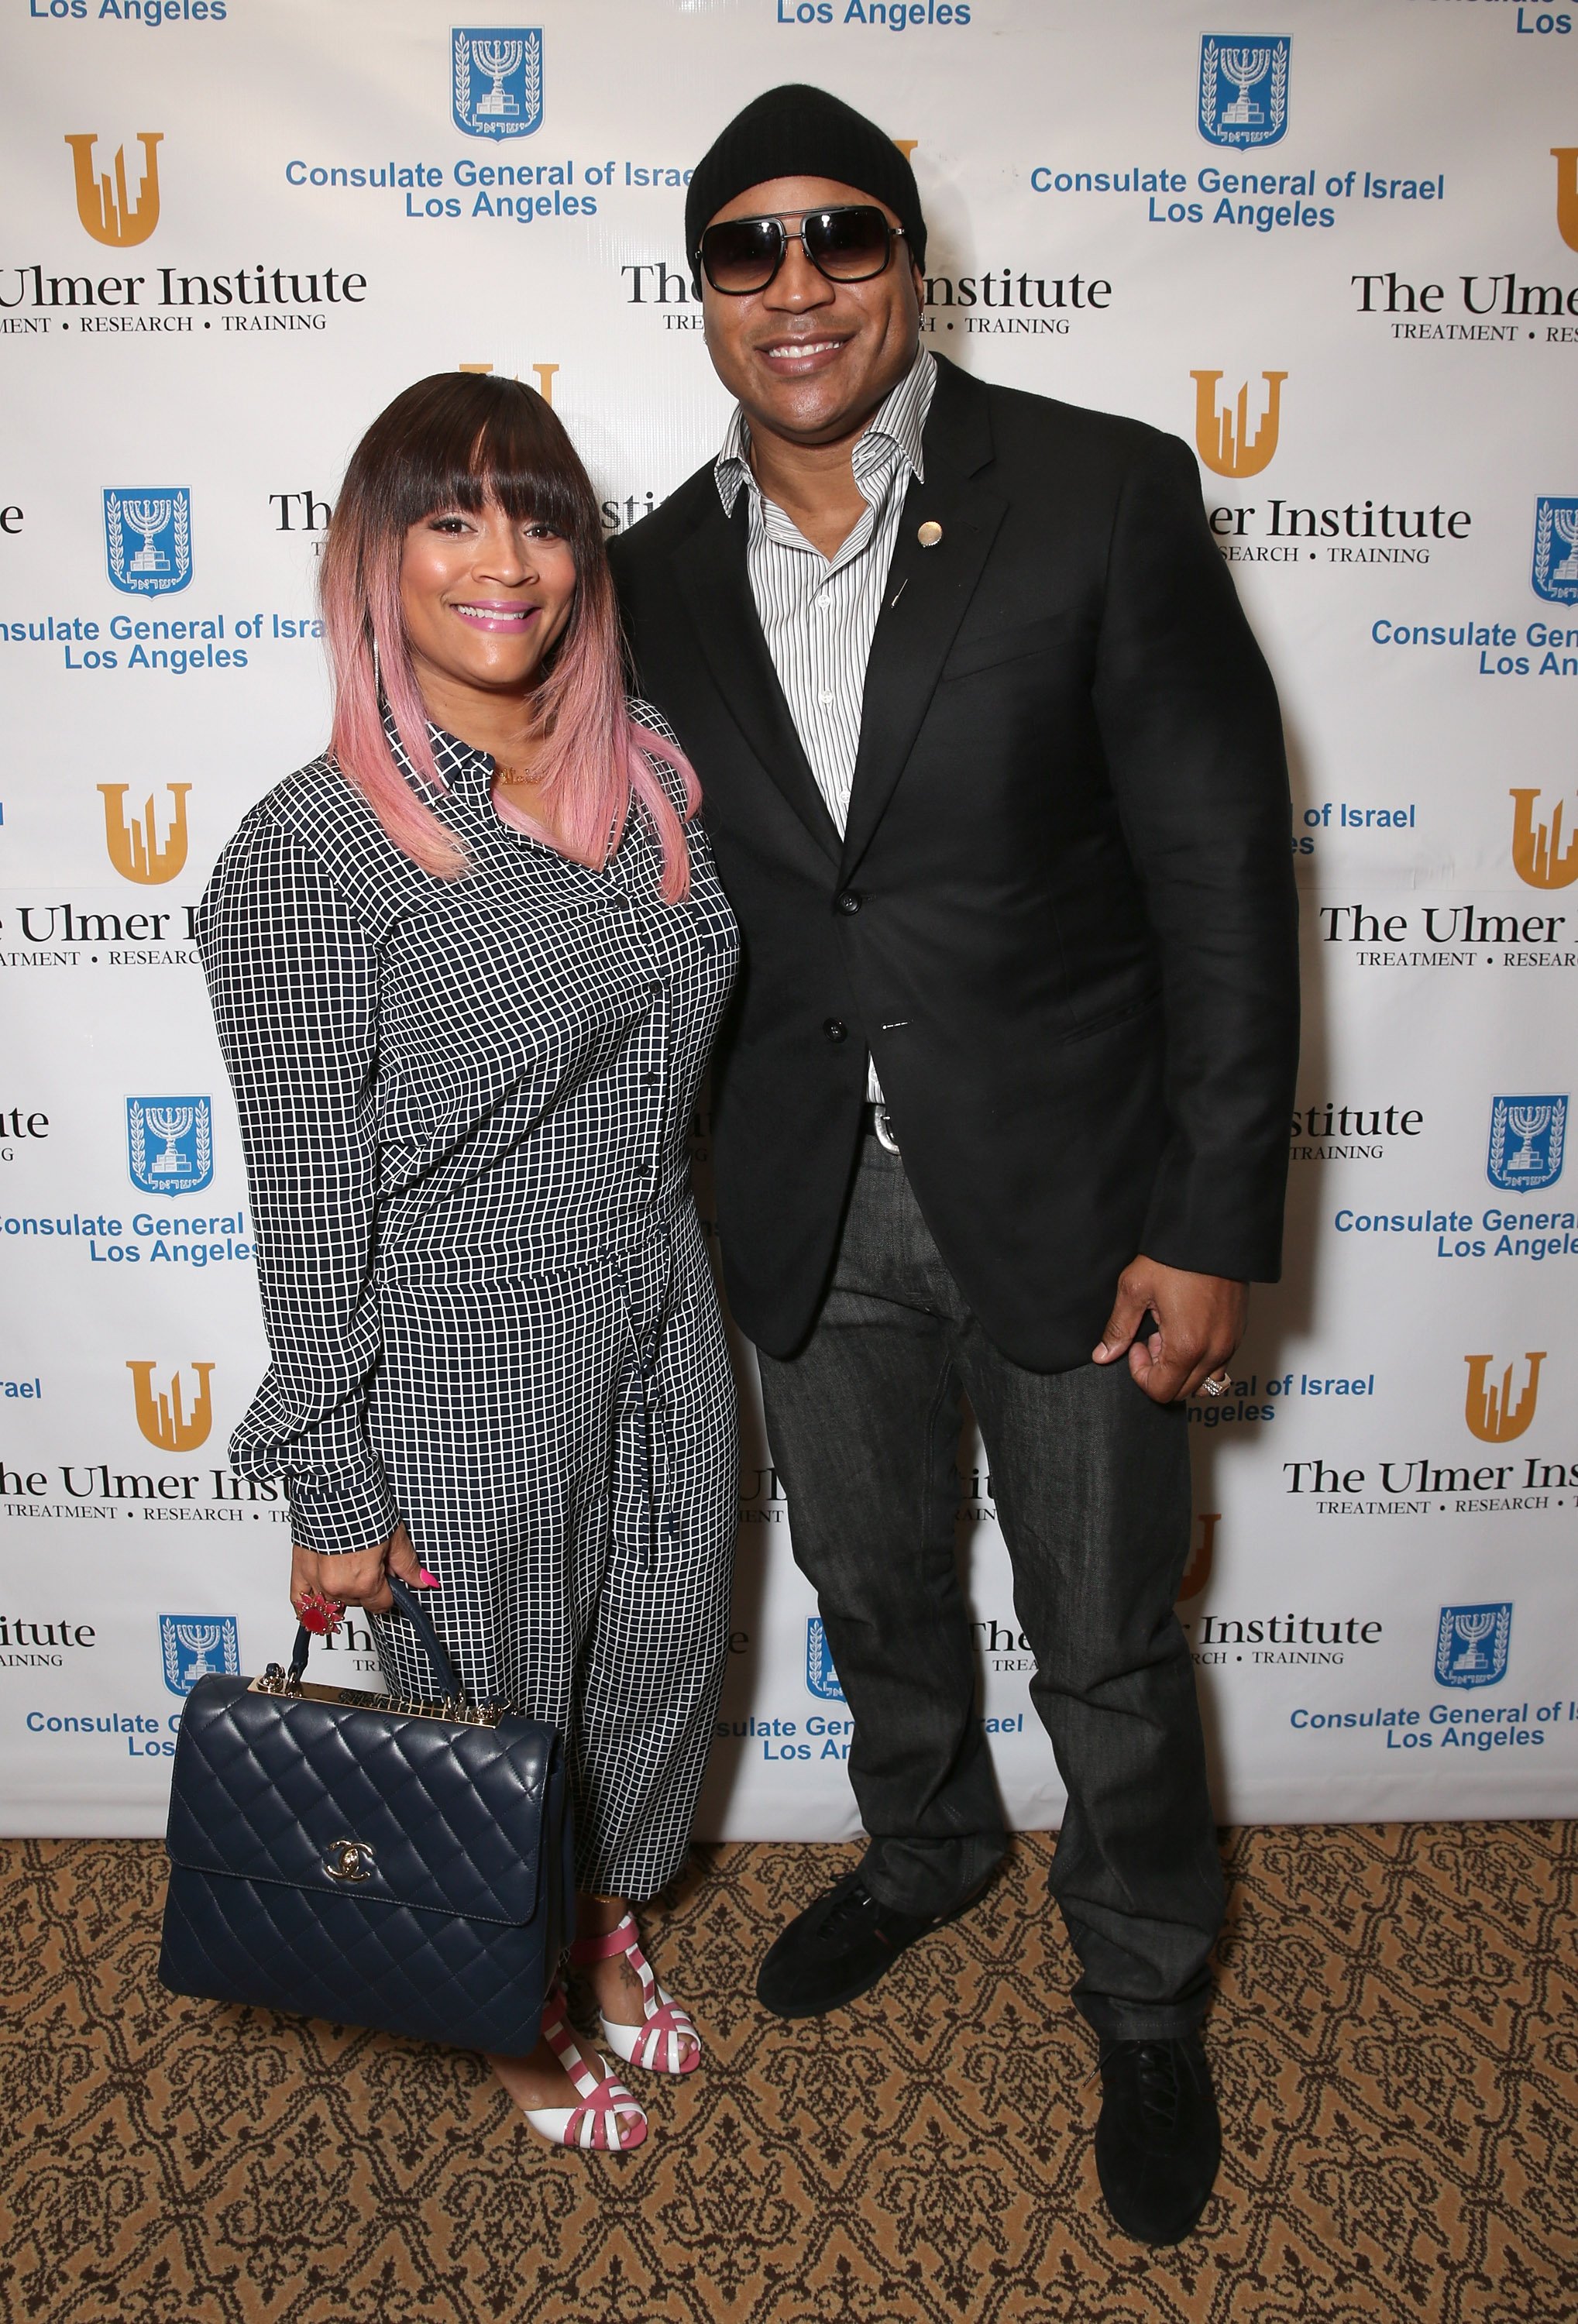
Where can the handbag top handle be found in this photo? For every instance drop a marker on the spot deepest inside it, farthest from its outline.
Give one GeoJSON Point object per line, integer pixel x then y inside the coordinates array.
{"type": "Point", "coordinates": [449, 1678]}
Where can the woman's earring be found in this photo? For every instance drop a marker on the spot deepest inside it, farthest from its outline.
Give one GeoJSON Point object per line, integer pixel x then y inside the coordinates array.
{"type": "Point", "coordinates": [377, 672]}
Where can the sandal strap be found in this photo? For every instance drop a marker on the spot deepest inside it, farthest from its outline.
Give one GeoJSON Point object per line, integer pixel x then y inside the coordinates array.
{"type": "Point", "coordinates": [668, 2017]}
{"type": "Point", "coordinates": [623, 1938]}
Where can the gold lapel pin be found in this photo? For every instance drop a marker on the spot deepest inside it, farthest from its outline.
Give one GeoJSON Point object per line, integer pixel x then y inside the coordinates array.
{"type": "Point", "coordinates": [929, 534]}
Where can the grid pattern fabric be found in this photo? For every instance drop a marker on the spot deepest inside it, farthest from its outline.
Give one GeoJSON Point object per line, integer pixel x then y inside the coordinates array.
{"type": "Point", "coordinates": [818, 614]}
{"type": "Point", "coordinates": [463, 1107]}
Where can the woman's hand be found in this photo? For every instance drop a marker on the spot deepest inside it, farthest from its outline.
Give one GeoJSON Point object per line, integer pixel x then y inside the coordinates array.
{"type": "Point", "coordinates": [359, 1578]}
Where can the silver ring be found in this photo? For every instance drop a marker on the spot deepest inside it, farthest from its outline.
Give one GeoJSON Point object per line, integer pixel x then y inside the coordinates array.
{"type": "Point", "coordinates": [1218, 1385]}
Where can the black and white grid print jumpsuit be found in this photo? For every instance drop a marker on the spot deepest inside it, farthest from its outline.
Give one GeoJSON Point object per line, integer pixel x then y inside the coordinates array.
{"type": "Point", "coordinates": [463, 1107]}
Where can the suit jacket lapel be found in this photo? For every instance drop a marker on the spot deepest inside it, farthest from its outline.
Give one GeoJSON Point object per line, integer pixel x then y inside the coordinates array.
{"type": "Point", "coordinates": [710, 567]}
{"type": "Point", "coordinates": [925, 596]}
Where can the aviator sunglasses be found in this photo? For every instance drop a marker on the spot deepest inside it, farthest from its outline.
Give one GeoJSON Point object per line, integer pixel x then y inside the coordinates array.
{"type": "Point", "coordinates": [849, 245]}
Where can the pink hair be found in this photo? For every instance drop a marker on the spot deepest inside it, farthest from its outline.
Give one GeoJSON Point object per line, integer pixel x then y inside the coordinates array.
{"type": "Point", "coordinates": [458, 440]}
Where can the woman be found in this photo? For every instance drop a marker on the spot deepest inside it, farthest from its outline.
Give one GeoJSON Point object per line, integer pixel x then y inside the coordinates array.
{"type": "Point", "coordinates": [467, 968]}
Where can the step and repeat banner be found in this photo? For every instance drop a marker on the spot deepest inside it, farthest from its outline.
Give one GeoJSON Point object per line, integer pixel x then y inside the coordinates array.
{"type": "Point", "coordinates": [1333, 245]}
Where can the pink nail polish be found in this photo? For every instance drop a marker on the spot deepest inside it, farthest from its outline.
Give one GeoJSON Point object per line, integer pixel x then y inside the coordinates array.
{"type": "Point", "coordinates": [425, 1580]}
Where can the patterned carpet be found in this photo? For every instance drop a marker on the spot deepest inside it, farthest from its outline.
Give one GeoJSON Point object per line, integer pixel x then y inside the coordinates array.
{"type": "Point", "coordinates": [1396, 2043]}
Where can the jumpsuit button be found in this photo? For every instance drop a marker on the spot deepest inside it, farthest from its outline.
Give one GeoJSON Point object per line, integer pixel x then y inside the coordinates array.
{"type": "Point", "coordinates": [850, 900]}
{"type": "Point", "coordinates": [835, 1029]}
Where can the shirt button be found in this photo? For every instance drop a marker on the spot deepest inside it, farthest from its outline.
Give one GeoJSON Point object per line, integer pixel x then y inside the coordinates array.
{"type": "Point", "coordinates": [649, 1078]}
{"type": "Point", "coordinates": [654, 990]}
{"type": "Point", "coordinates": [835, 1029]}
{"type": "Point", "coordinates": [825, 698]}
{"type": "Point", "coordinates": [850, 900]}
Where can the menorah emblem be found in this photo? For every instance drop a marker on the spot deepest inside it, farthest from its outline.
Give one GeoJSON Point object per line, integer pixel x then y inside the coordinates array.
{"type": "Point", "coordinates": [169, 1123]}
{"type": "Point", "coordinates": [1471, 1644]}
{"type": "Point", "coordinates": [198, 1646]}
{"type": "Point", "coordinates": [498, 60]}
{"type": "Point", "coordinates": [1554, 575]}
{"type": "Point", "coordinates": [1260, 64]}
{"type": "Point", "coordinates": [510, 58]}
{"type": "Point", "coordinates": [1526, 1123]}
{"type": "Point", "coordinates": [1243, 68]}
{"type": "Point", "coordinates": [199, 1639]}
{"type": "Point", "coordinates": [1471, 1628]}
{"type": "Point", "coordinates": [162, 517]}
{"type": "Point", "coordinates": [170, 1143]}
{"type": "Point", "coordinates": [147, 517]}
{"type": "Point", "coordinates": [1564, 524]}
{"type": "Point", "coordinates": [1527, 1133]}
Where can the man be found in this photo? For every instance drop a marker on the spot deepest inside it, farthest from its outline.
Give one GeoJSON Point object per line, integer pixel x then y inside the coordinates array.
{"type": "Point", "coordinates": [993, 772]}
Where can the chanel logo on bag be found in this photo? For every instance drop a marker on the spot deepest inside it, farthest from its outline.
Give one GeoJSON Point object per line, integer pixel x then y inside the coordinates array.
{"type": "Point", "coordinates": [349, 1859]}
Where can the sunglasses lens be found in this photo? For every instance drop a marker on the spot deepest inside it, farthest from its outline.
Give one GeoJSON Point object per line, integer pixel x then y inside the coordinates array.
{"type": "Point", "coordinates": [743, 255]}
{"type": "Point", "coordinates": [847, 244]}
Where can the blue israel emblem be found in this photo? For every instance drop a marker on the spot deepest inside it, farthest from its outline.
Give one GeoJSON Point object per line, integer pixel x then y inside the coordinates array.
{"type": "Point", "coordinates": [497, 77]}
{"type": "Point", "coordinates": [1555, 573]}
{"type": "Point", "coordinates": [148, 539]}
{"type": "Point", "coordinates": [1243, 87]}
{"type": "Point", "coordinates": [820, 1675]}
{"type": "Point", "coordinates": [199, 1645]}
{"type": "Point", "coordinates": [1472, 1643]}
{"type": "Point", "coordinates": [170, 1144]}
{"type": "Point", "coordinates": [1526, 1138]}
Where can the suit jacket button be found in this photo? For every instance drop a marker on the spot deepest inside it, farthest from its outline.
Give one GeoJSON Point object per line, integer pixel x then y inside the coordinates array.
{"type": "Point", "coordinates": [849, 901]}
{"type": "Point", "coordinates": [835, 1029]}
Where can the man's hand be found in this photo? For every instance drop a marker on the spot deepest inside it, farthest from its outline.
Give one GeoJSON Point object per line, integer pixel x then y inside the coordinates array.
{"type": "Point", "coordinates": [1201, 1319]}
{"type": "Point", "coordinates": [360, 1577]}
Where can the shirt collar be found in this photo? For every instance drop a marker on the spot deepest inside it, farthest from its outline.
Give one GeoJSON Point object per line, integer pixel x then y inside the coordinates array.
{"type": "Point", "coordinates": [460, 766]}
{"type": "Point", "coordinates": [893, 433]}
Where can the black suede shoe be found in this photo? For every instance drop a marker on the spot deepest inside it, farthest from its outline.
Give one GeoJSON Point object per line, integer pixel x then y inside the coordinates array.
{"type": "Point", "coordinates": [838, 1948]}
{"type": "Point", "coordinates": [1158, 2142]}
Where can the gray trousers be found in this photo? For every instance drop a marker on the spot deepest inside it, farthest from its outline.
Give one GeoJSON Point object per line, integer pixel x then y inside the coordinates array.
{"type": "Point", "coordinates": [1091, 1481]}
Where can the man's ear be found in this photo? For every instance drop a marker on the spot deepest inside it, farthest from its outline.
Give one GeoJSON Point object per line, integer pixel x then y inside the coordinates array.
{"type": "Point", "coordinates": [918, 279]}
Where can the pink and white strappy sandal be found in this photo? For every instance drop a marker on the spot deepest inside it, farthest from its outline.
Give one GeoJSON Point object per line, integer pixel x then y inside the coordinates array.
{"type": "Point", "coordinates": [666, 2042]}
{"type": "Point", "coordinates": [608, 2119]}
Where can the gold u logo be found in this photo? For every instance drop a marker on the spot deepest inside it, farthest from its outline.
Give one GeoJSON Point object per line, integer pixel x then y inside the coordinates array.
{"type": "Point", "coordinates": [545, 372]}
{"type": "Point", "coordinates": [1225, 439]}
{"type": "Point", "coordinates": [1538, 857]}
{"type": "Point", "coordinates": [1566, 160]}
{"type": "Point", "coordinates": [136, 849]}
{"type": "Point", "coordinates": [1491, 1412]}
{"type": "Point", "coordinates": [162, 1414]}
{"type": "Point", "coordinates": [104, 203]}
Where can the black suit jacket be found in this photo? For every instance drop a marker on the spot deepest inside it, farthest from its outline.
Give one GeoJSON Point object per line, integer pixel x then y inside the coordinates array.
{"type": "Point", "coordinates": [1062, 918]}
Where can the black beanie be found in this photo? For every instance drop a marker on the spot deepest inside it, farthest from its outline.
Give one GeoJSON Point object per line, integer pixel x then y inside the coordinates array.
{"type": "Point", "coordinates": [800, 131]}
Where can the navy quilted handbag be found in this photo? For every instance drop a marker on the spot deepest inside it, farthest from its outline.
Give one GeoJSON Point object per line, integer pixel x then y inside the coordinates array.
{"type": "Point", "coordinates": [379, 1862]}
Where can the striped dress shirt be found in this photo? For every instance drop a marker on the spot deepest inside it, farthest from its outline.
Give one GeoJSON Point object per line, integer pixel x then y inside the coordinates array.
{"type": "Point", "coordinates": [819, 613]}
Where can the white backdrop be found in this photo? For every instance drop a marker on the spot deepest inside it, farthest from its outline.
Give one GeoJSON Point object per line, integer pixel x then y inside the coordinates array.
{"type": "Point", "coordinates": [236, 228]}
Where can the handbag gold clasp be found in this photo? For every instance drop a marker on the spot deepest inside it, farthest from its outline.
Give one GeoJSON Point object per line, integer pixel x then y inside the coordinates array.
{"type": "Point", "coordinates": [349, 1859]}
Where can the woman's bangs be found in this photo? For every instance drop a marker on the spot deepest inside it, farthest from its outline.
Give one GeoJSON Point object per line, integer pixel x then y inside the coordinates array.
{"type": "Point", "coordinates": [513, 465]}
{"type": "Point", "coordinates": [511, 459]}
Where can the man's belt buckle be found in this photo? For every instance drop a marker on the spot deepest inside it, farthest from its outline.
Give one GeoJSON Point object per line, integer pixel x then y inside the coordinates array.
{"type": "Point", "coordinates": [882, 1123]}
